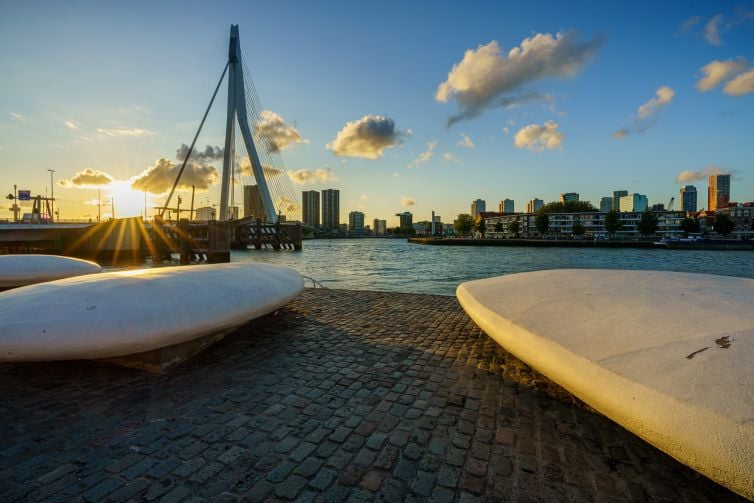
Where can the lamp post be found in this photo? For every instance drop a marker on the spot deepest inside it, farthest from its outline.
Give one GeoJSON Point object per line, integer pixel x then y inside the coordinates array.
{"type": "Point", "coordinates": [52, 196]}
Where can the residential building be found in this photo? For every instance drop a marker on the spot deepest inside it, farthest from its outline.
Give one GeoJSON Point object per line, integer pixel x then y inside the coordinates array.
{"type": "Point", "coordinates": [379, 227]}
{"type": "Point", "coordinates": [718, 192]}
{"type": "Point", "coordinates": [569, 197]}
{"type": "Point", "coordinates": [606, 204]}
{"type": "Point", "coordinates": [406, 219]}
{"type": "Point", "coordinates": [658, 207]}
{"type": "Point", "coordinates": [205, 213]}
{"type": "Point", "coordinates": [506, 206]}
{"type": "Point", "coordinates": [356, 223]}
{"type": "Point", "coordinates": [534, 205]}
{"type": "Point", "coordinates": [252, 202]}
{"type": "Point", "coordinates": [688, 198]}
{"type": "Point", "coordinates": [617, 194]}
{"type": "Point", "coordinates": [310, 208]}
{"type": "Point", "coordinates": [331, 210]}
{"type": "Point", "coordinates": [343, 228]}
{"type": "Point", "coordinates": [743, 219]}
{"type": "Point", "coordinates": [477, 207]}
{"type": "Point", "coordinates": [633, 202]}
{"type": "Point", "coordinates": [593, 222]}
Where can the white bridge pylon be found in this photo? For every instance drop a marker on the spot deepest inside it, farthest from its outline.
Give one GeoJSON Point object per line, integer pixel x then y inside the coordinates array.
{"type": "Point", "coordinates": [237, 111]}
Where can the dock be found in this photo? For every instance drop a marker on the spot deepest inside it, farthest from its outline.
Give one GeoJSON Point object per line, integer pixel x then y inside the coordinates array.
{"type": "Point", "coordinates": [341, 395]}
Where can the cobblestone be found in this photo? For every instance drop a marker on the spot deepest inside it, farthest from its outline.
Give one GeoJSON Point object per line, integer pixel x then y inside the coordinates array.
{"type": "Point", "coordinates": [320, 402]}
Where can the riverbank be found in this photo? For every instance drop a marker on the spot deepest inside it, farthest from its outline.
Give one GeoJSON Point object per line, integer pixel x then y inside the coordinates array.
{"type": "Point", "coordinates": [582, 243]}
{"type": "Point", "coordinates": [342, 394]}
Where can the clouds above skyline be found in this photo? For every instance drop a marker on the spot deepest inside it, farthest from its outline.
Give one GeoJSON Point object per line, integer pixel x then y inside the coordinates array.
{"type": "Point", "coordinates": [424, 156]}
{"type": "Point", "coordinates": [87, 179]}
{"type": "Point", "coordinates": [738, 75]}
{"type": "Point", "coordinates": [407, 202]}
{"type": "Point", "coordinates": [209, 154]}
{"type": "Point", "coordinates": [158, 179]}
{"type": "Point", "coordinates": [537, 138]}
{"type": "Point", "coordinates": [646, 114]}
{"type": "Point", "coordinates": [306, 176]}
{"type": "Point", "coordinates": [486, 78]}
{"type": "Point", "coordinates": [275, 133]}
{"type": "Point", "coordinates": [702, 174]}
{"type": "Point", "coordinates": [367, 137]}
{"type": "Point", "coordinates": [123, 132]}
{"type": "Point", "coordinates": [466, 141]}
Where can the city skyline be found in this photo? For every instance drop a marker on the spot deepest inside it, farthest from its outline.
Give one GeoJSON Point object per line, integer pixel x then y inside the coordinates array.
{"type": "Point", "coordinates": [400, 122]}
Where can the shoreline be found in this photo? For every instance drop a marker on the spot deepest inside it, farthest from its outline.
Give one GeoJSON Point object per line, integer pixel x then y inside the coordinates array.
{"type": "Point", "coordinates": [582, 243]}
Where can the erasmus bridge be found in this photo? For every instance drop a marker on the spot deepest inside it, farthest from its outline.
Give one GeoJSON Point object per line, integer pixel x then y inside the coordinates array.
{"type": "Point", "coordinates": [252, 159]}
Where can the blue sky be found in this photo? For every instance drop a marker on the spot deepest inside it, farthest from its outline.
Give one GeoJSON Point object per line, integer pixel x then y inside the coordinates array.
{"type": "Point", "coordinates": [132, 81]}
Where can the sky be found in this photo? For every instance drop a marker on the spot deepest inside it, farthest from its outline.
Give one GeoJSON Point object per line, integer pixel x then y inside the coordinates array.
{"type": "Point", "coordinates": [403, 106]}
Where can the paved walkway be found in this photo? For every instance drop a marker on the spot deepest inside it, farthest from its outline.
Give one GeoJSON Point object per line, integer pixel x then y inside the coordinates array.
{"type": "Point", "coordinates": [341, 396]}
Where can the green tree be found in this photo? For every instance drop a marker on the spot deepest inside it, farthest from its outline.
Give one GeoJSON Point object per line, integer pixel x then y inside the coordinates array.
{"type": "Point", "coordinates": [463, 224]}
{"type": "Point", "coordinates": [612, 223]}
{"type": "Point", "coordinates": [723, 224]}
{"type": "Point", "coordinates": [648, 223]}
{"type": "Point", "coordinates": [568, 207]}
{"type": "Point", "coordinates": [480, 226]}
{"type": "Point", "coordinates": [689, 225]}
{"type": "Point", "coordinates": [499, 227]}
{"type": "Point", "coordinates": [542, 223]}
{"type": "Point", "coordinates": [514, 227]}
{"type": "Point", "coordinates": [577, 229]}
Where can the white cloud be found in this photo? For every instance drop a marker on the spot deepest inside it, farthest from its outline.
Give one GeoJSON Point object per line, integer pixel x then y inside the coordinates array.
{"type": "Point", "coordinates": [741, 84]}
{"type": "Point", "coordinates": [538, 138]}
{"type": "Point", "coordinates": [72, 125]}
{"type": "Point", "coordinates": [87, 179]}
{"type": "Point", "coordinates": [367, 137]}
{"type": "Point", "coordinates": [407, 202]}
{"type": "Point", "coordinates": [424, 156]}
{"type": "Point", "coordinates": [702, 174]}
{"type": "Point", "coordinates": [448, 156]}
{"type": "Point", "coordinates": [486, 77]}
{"type": "Point", "coordinates": [363, 197]}
{"type": "Point", "coordinates": [712, 30]}
{"type": "Point", "coordinates": [275, 133]}
{"type": "Point", "coordinates": [158, 179]}
{"type": "Point", "coordinates": [646, 114]}
{"type": "Point", "coordinates": [466, 141]}
{"type": "Point", "coordinates": [128, 132]}
{"type": "Point", "coordinates": [209, 154]}
{"type": "Point", "coordinates": [319, 175]}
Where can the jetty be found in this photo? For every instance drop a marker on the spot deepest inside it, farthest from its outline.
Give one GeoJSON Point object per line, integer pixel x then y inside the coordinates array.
{"type": "Point", "coordinates": [319, 402]}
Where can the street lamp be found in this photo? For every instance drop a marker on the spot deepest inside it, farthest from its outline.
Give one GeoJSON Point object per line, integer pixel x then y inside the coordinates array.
{"type": "Point", "coordinates": [52, 196]}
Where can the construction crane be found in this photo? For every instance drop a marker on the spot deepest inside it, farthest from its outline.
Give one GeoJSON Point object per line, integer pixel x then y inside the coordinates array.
{"type": "Point", "coordinates": [670, 204]}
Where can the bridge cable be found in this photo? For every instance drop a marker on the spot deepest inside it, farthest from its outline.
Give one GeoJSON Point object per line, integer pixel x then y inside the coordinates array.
{"type": "Point", "coordinates": [191, 148]}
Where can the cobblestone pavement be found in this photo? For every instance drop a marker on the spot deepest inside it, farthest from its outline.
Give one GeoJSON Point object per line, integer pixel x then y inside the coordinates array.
{"type": "Point", "coordinates": [340, 396]}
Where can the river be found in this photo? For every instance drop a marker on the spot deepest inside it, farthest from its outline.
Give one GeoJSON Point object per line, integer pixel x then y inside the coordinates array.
{"type": "Point", "coordinates": [394, 265]}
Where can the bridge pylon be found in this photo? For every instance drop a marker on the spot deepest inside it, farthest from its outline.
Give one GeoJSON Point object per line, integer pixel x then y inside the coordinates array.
{"type": "Point", "coordinates": [237, 110]}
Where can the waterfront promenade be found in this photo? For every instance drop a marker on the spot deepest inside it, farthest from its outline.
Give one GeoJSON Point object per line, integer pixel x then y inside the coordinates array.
{"type": "Point", "coordinates": [340, 396]}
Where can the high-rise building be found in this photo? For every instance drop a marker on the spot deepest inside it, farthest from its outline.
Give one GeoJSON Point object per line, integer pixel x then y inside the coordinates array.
{"type": "Point", "coordinates": [617, 194]}
{"type": "Point", "coordinates": [379, 227]}
{"type": "Point", "coordinates": [534, 205]}
{"type": "Point", "coordinates": [569, 197]}
{"type": "Point", "coordinates": [310, 208]}
{"type": "Point", "coordinates": [606, 204]}
{"type": "Point", "coordinates": [331, 210]}
{"type": "Point", "coordinates": [406, 219]}
{"type": "Point", "coordinates": [205, 213]}
{"type": "Point", "coordinates": [506, 206]}
{"type": "Point", "coordinates": [688, 198]}
{"type": "Point", "coordinates": [633, 202]}
{"type": "Point", "coordinates": [478, 207]}
{"type": "Point", "coordinates": [718, 192]}
{"type": "Point", "coordinates": [356, 222]}
{"type": "Point", "coordinates": [252, 202]}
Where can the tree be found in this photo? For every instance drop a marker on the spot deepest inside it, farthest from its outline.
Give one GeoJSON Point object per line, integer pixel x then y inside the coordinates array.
{"type": "Point", "coordinates": [648, 223]}
{"type": "Point", "coordinates": [689, 225]}
{"type": "Point", "coordinates": [612, 222]}
{"type": "Point", "coordinates": [542, 223]}
{"type": "Point", "coordinates": [577, 229]}
{"type": "Point", "coordinates": [723, 224]}
{"type": "Point", "coordinates": [404, 231]}
{"type": "Point", "coordinates": [480, 226]}
{"type": "Point", "coordinates": [463, 224]}
{"type": "Point", "coordinates": [514, 227]}
{"type": "Point", "coordinates": [567, 207]}
{"type": "Point", "coordinates": [499, 227]}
